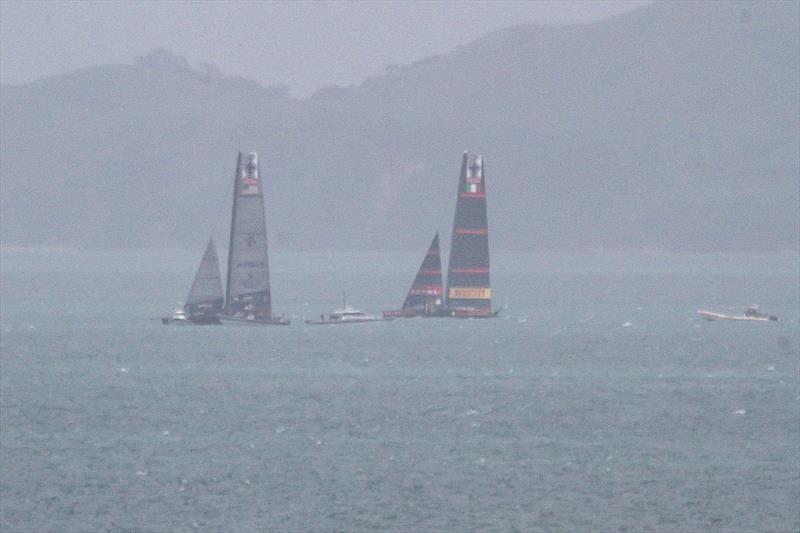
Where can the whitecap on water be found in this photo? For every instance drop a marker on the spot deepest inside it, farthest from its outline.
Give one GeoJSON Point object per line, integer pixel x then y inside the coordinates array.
{"type": "Point", "coordinates": [740, 412]}
{"type": "Point", "coordinates": [627, 325]}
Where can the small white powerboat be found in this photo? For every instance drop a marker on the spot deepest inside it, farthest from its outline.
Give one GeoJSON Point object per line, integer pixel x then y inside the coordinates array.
{"type": "Point", "coordinates": [346, 315]}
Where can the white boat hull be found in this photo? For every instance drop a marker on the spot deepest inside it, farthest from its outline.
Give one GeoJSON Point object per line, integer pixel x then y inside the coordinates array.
{"type": "Point", "coordinates": [710, 315]}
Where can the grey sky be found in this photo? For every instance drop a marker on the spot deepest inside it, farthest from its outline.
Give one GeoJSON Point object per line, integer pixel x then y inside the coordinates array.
{"type": "Point", "coordinates": [304, 45]}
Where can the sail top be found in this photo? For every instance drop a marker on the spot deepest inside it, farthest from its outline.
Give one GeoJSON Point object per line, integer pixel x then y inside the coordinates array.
{"type": "Point", "coordinates": [250, 178]}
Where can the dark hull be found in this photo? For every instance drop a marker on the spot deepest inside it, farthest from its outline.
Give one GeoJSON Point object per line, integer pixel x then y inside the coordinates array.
{"type": "Point", "coordinates": [205, 321]}
{"type": "Point", "coordinates": [332, 322]}
{"type": "Point", "coordinates": [231, 320]}
{"type": "Point", "coordinates": [460, 313]}
{"type": "Point", "coordinates": [195, 321]}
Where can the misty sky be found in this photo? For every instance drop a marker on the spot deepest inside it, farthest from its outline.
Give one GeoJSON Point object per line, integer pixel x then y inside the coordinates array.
{"type": "Point", "coordinates": [305, 45]}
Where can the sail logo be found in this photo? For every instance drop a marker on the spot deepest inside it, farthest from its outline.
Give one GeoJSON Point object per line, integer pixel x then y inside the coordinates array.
{"type": "Point", "coordinates": [470, 293]}
{"type": "Point", "coordinates": [474, 175]}
{"type": "Point", "coordinates": [250, 185]}
{"type": "Point", "coordinates": [250, 176]}
{"type": "Point", "coordinates": [426, 291]}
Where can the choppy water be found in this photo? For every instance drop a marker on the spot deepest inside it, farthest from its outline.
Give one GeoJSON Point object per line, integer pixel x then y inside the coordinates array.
{"type": "Point", "coordinates": [598, 401]}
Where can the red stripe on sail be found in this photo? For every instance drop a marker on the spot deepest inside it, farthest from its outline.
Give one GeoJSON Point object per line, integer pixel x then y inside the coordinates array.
{"type": "Point", "coordinates": [469, 270]}
{"type": "Point", "coordinates": [460, 231]}
{"type": "Point", "coordinates": [426, 271]}
{"type": "Point", "coordinates": [472, 195]}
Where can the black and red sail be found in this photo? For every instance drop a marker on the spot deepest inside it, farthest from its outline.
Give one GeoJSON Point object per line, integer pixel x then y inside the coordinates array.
{"type": "Point", "coordinates": [469, 292]}
{"type": "Point", "coordinates": [426, 294]}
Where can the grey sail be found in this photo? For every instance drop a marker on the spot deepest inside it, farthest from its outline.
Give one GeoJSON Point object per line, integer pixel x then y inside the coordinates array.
{"type": "Point", "coordinates": [248, 291]}
{"type": "Point", "coordinates": [205, 298]}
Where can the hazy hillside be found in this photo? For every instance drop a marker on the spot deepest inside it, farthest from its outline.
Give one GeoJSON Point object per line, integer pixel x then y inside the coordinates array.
{"type": "Point", "coordinates": [673, 126]}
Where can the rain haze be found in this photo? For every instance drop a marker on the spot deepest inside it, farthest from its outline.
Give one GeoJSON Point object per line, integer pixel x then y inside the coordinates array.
{"type": "Point", "coordinates": [400, 266]}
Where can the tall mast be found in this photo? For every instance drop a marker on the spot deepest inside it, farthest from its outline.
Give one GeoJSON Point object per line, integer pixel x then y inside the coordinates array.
{"type": "Point", "coordinates": [233, 224]}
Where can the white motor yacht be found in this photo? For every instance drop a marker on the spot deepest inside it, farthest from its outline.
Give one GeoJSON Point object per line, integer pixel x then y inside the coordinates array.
{"type": "Point", "coordinates": [346, 315]}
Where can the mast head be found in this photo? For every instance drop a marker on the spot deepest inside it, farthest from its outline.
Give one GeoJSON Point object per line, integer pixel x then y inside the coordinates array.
{"type": "Point", "coordinates": [251, 166]}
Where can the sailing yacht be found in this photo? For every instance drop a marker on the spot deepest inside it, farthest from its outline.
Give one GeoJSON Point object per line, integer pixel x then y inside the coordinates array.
{"type": "Point", "coordinates": [469, 293]}
{"type": "Point", "coordinates": [248, 298]}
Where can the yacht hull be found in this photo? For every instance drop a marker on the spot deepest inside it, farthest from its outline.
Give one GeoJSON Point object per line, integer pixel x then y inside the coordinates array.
{"type": "Point", "coordinates": [350, 321]}
{"type": "Point", "coordinates": [711, 316]}
{"type": "Point", "coordinates": [240, 321]}
{"type": "Point", "coordinates": [195, 321]}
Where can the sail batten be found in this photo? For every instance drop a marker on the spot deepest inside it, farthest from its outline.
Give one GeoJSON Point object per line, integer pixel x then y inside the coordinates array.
{"type": "Point", "coordinates": [468, 283]}
{"type": "Point", "coordinates": [248, 287]}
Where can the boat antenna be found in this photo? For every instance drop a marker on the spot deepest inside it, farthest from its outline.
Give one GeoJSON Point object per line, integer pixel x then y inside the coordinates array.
{"type": "Point", "coordinates": [344, 300]}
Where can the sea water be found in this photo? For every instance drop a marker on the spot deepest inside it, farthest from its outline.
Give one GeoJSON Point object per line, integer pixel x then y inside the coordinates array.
{"type": "Point", "coordinates": [597, 401]}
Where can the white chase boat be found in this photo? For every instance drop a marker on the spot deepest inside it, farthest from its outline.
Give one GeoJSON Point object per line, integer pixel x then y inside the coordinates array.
{"type": "Point", "coordinates": [346, 315]}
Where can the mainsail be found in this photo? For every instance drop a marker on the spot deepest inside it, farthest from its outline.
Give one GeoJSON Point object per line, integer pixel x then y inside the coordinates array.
{"type": "Point", "coordinates": [247, 290]}
{"type": "Point", "coordinates": [468, 290]}
{"type": "Point", "coordinates": [426, 293]}
{"type": "Point", "coordinates": [205, 297]}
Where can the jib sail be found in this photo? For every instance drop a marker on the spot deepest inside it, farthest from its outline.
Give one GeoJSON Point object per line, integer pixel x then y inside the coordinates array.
{"type": "Point", "coordinates": [426, 293]}
{"type": "Point", "coordinates": [469, 292]}
{"type": "Point", "coordinates": [205, 297]}
{"type": "Point", "coordinates": [248, 290]}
